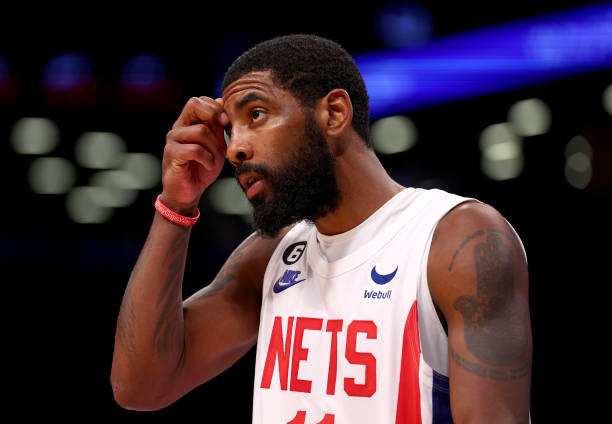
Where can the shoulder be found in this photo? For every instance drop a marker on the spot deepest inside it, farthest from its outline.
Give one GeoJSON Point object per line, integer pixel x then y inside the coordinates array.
{"type": "Point", "coordinates": [251, 257]}
{"type": "Point", "coordinates": [241, 277]}
{"type": "Point", "coordinates": [470, 239]}
{"type": "Point", "coordinates": [465, 222]}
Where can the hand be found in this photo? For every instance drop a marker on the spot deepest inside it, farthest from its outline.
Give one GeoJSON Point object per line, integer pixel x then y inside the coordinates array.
{"type": "Point", "coordinates": [194, 154]}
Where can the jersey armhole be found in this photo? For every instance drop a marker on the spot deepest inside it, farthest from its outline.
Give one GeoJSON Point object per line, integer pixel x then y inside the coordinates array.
{"type": "Point", "coordinates": [431, 332]}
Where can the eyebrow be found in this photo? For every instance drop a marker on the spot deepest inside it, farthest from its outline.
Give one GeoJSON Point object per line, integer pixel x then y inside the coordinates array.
{"type": "Point", "coordinates": [251, 97]}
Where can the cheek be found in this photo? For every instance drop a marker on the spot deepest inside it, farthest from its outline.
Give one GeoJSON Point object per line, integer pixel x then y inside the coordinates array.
{"type": "Point", "coordinates": [279, 125]}
{"type": "Point", "coordinates": [279, 135]}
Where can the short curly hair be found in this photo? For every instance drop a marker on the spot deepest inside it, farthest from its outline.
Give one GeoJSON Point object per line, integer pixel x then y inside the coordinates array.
{"type": "Point", "coordinates": [309, 67]}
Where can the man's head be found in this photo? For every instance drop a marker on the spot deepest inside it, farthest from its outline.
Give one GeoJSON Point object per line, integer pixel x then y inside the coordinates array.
{"type": "Point", "coordinates": [308, 67]}
{"type": "Point", "coordinates": [291, 111]}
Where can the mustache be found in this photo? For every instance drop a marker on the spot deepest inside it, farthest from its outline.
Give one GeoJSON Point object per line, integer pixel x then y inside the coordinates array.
{"type": "Point", "coordinates": [247, 167]}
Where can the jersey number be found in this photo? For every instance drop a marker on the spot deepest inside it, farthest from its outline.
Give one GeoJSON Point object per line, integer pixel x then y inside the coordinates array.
{"type": "Point", "coordinates": [300, 418]}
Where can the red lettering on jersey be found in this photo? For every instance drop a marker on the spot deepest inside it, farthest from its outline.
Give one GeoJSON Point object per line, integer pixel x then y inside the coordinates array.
{"type": "Point", "coordinates": [300, 353]}
{"type": "Point", "coordinates": [280, 348]}
{"type": "Point", "coordinates": [369, 387]}
{"type": "Point", "coordinates": [333, 326]}
{"type": "Point", "coordinates": [275, 349]}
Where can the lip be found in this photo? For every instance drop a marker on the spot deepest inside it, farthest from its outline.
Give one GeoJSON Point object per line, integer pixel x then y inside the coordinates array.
{"type": "Point", "coordinates": [254, 189]}
{"type": "Point", "coordinates": [251, 182]}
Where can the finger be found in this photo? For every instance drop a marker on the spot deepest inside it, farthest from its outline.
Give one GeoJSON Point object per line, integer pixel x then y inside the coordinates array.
{"type": "Point", "coordinates": [178, 155]}
{"type": "Point", "coordinates": [223, 118]}
{"type": "Point", "coordinates": [199, 110]}
{"type": "Point", "coordinates": [200, 134]}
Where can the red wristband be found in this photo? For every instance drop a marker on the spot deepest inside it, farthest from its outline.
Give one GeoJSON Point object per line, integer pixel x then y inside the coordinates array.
{"type": "Point", "coordinates": [172, 216]}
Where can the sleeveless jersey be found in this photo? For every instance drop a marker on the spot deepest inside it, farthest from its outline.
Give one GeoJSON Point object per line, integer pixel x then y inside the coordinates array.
{"type": "Point", "coordinates": [355, 340]}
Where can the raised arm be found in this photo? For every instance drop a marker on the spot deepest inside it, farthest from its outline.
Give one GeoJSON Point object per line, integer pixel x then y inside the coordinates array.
{"type": "Point", "coordinates": [478, 280]}
{"type": "Point", "coordinates": [164, 347]}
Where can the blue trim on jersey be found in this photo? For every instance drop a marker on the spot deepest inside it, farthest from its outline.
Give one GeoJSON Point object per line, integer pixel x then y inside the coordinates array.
{"type": "Point", "coordinates": [441, 413]}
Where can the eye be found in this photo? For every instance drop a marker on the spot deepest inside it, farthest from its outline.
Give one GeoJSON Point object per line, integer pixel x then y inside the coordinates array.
{"type": "Point", "coordinates": [257, 115]}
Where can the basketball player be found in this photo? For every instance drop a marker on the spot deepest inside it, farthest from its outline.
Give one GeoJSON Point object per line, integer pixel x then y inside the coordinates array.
{"type": "Point", "coordinates": [369, 302]}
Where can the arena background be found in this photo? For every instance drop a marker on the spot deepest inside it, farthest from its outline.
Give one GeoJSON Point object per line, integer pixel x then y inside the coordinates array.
{"type": "Point", "coordinates": [110, 82]}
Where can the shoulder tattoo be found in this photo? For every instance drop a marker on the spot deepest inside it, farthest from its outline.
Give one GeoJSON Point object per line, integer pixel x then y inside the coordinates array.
{"type": "Point", "coordinates": [496, 327]}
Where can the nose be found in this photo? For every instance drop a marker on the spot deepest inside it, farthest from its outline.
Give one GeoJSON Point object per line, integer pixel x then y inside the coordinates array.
{"type": "Point", "coordinates": [239, 149]}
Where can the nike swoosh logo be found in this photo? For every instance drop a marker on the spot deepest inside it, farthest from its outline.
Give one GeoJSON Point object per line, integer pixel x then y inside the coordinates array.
{"type": "Point", "coordinates": [280, 283]}
{"type": "Point", "coordinates": [382, 278]}
{"type": "Point", "coordinates": [279, 286]}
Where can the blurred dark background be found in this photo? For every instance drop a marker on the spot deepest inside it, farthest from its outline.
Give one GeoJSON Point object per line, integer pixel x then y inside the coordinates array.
{"type": "Point", "coordinates": [86, 100]}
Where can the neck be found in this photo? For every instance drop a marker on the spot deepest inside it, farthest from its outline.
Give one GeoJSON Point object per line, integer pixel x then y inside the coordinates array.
{"type": "Point", "coordinates": [364, 187]}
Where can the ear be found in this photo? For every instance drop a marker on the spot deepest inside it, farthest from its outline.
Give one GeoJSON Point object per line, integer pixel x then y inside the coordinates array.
{"type": "Point", "coordinates": [335, 112]}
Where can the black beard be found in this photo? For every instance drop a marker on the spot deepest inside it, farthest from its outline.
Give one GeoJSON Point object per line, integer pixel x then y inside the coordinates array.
{"type": "Point", "coordinates": [305, 188]}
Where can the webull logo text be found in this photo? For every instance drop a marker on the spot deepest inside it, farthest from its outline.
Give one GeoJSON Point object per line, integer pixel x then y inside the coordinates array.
{"type": "Point", "coordinates": [376, 294]}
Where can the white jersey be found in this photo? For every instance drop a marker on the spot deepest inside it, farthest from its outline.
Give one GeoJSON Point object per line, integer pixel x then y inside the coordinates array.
{"type": "Point", "coordinates": [340, 323]}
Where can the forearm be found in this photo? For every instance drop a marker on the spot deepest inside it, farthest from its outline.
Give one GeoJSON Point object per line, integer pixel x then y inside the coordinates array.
{"type": "Point", "coordinates": [149, 339]}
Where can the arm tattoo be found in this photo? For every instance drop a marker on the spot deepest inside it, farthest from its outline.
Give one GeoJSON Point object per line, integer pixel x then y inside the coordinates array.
{"type": "Point", "coordinates": [495, 321]}
{"type": "Point", "coordinates": [168, 332]}
{"type": "Point", "coordinates": [125, 323]}
{"type": "Point", "coordinates": [227, 273]}
{"type": "Point", "coordinates": [500, 374]}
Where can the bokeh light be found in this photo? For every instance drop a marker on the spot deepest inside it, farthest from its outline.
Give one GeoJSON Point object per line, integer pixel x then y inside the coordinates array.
{"type": "Point", "coordinates": [116, 188]}
{"type": "Point", "coordinates": [578, 157]}
{"type": "Point", "coordinates": [51, 175]}
{"type": "Point", "coordinates": [144, 168]}
{"type": "Point", "coordinates": [501, 152]}
{"type": "Point", "coordinates": [578, 144]}
{"type": "Point", "coordinates": [401, 25]}
{"type": "Point", "coordinates": [394, 134]}
{"type": "Point", "coordinates": [99, 150]}
{"type": "Point", "coordinates": [530, 117]}
{"type": "Point", "coordinates": [143, 72]}
{"type": "Point", "coordinates": [67, 71]}
{"type": "Point", "coordinates": [34, 136]}
{"type": "Point", "coordinates": [83, 209]}
{"type": "Point", "coordinates": [226, 196]}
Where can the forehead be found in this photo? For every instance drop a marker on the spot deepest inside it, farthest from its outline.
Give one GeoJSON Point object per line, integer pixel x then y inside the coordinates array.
{"type": "Point", "coordinates": [260, 81]}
